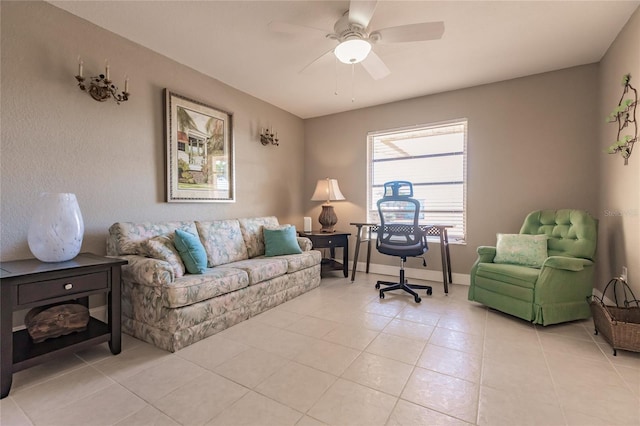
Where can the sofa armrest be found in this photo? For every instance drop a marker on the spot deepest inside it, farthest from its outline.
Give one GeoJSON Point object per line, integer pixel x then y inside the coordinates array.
{"type": "Point", "coordinates": [304, 243]}
{"type": "Point", "coordinates": [566, 263]}
{"type": "Point", "coordinates": [486, 254]}
{"type": "Point", "coordinates": [147, 271]}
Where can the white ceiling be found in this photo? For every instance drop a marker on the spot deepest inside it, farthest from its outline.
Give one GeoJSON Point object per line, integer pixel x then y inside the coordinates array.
{"type": "Point", "coordinates": [484, 42]}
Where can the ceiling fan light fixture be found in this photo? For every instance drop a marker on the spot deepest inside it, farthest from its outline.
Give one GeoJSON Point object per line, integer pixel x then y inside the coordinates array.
{"type": "Point", "coordinates": [352, 51]}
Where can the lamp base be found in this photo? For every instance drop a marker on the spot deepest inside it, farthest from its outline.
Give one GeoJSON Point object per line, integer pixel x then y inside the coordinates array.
{"type": "Point", "coordinates": [328, 218]}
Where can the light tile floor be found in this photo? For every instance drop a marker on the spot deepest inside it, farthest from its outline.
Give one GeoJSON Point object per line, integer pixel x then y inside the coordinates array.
{"type": "Point", "coordinates": [339, 355]}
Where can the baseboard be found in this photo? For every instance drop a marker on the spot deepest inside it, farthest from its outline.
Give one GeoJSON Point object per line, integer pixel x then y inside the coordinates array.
{"type": "Point", "coordinates": [414, 273]}
{"type": "Point", "coordinates": [607, 301]}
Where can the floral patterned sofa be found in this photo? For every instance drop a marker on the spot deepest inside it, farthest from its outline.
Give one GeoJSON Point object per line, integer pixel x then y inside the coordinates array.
{"type": "Point", "coordinates": [172, 311]}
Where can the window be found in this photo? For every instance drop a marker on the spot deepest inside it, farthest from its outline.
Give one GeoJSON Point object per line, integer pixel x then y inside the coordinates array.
{"type": "Point", "coordinates": [433, 158]}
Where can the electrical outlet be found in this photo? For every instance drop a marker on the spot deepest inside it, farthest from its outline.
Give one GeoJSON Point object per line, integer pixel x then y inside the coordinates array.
{"type": "Point", "coordinates": [624, 273]}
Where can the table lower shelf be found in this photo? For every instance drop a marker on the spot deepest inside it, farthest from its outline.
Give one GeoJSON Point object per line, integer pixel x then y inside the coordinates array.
{"type": "Point", "coordinates": [329, 265]}
{"type": "Point", "coordinates": [27, 354]}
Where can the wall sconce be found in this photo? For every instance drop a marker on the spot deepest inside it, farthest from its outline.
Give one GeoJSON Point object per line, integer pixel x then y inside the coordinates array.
{"type": "Point", "coordinates": [269, 137]}
{"type": "Point", "coordinates": [100, 87]}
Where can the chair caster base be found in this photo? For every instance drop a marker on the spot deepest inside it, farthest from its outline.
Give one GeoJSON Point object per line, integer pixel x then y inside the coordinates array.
{"type": "Point", "coordinates": [404, 286]}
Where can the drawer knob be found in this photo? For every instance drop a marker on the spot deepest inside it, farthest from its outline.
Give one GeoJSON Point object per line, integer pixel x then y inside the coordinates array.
{"type": "Point", "coordinates": [68, 286]}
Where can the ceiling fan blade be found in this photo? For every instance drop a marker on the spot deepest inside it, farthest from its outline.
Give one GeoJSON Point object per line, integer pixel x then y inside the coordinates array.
{"type": "Point", "coordinates": [288, 28]}
{"type": "Point", "coordinates": [413, 32]}
{"type": "Point", "coordinates": [361, 12]}
{"type": "Point", "coordinates": [317, 60]}
{"type": "Point", "coordinates": [375, 67]}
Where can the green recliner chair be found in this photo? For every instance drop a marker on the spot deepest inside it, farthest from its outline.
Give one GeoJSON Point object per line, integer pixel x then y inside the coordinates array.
{"type": "Point", "coordinates": [517, 277]}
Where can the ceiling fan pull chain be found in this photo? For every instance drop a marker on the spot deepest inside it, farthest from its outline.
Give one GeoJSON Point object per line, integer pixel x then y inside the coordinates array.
{"type": "Point", "coordinates": [336, 74]}
{"type": "Point", "coordinates": [353, 72]}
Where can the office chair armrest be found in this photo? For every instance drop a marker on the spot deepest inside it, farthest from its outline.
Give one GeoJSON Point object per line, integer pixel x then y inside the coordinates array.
{"type": "Point", "coordinates": [566, 263]}
{"type": "Point", "coordinates": [486, 254]}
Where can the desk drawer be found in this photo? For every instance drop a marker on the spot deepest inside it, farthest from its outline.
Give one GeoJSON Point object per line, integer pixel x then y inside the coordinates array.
{"type": "Point", "coordinates": [50, 289]}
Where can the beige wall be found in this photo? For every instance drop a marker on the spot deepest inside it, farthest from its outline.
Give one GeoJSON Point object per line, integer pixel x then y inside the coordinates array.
{"type": "Point", "coordinates": [619, 189]}
{"type": "Point", "coordinates": [531, 142]}
{"type": "Point", "coordinates": [530, 146]}
{"type": "Point", "coordinates": [56, 138]}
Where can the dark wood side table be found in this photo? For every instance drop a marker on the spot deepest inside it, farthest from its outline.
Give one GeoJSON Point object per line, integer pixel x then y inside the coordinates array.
{"type": "Point", "coordinates": [331, 240]}
{"type": "Point", "coordinates": [29, 283]}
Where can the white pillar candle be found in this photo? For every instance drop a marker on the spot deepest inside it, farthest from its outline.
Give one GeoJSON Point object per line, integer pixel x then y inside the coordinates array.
{"type": "Point", "coordinates": [307, 224]}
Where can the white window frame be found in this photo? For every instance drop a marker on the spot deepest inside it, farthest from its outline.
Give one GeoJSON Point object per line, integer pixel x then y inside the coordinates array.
{"type": "Point", "coordinates": [456, 236]}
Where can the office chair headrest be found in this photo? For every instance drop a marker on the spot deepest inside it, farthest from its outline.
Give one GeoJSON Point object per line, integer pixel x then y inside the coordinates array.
{"type": "Point", "coordinates": [398, 188]}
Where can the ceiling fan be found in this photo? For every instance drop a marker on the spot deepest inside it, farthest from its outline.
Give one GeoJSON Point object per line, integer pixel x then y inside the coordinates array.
{"type": "Point", "coordinates": [356, 39]}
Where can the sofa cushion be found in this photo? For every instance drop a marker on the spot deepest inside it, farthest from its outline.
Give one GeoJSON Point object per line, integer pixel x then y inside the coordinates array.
{"type": "Point", "coordinates": [127, 237]}
{"type": "Point", "coordinates": [223, 241]}
{"type": "Point", "coordinates": [261, 269]}
{"type": "Point", "coordinates": [252, 232]}
{"type": "Point", "coordinates": [196, 288]}
{"type": "Point", "coordinates": [304, 260]}
{"type": "Point", "coordinates": [521, 249]}
{"type": "Point", "coordinates": [278, 242]}
{"type": "Point", "coordinates": [191, 252]}
{"type": "Point", "coordinates": [162, 248]}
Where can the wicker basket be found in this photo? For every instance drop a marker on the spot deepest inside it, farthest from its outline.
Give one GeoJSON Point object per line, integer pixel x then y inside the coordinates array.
{"type": "Point", "coordinates": [619, 325]}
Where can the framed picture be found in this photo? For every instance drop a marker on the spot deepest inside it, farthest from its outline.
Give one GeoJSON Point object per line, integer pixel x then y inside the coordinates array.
{"type": "Point", "coordinates": [199, 141]}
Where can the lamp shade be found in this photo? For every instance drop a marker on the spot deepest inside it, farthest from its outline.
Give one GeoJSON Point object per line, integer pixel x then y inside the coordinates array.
{"type": "Point", "coordinates": [327, 190]}
{"type": "Point", "coordinates": [352, 51]}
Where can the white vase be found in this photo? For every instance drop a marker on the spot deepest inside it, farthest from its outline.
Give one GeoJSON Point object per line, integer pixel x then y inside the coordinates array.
{"type": "Point", "coordinates": [56, 229]}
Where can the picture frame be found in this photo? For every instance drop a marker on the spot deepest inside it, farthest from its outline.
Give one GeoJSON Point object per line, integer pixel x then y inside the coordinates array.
{"type": "Point", "coordinates": [199, 151]}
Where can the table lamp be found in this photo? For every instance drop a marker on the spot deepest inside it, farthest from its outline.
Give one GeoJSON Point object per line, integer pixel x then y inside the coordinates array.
{"type": "Point", "coordinates": [327, 190]}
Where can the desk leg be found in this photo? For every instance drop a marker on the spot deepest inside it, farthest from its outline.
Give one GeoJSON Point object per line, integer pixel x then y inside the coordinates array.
{"type": "Point", "coordinates": [356, 254]}
{"type": "Point", "coordinates": [6, 336]}
{"type": "Point", "coordinates": [443, 255]}
{"type": "Point", "coordinates": [446, 243]}
{"type": "Point", "coordinates": [369, 250]}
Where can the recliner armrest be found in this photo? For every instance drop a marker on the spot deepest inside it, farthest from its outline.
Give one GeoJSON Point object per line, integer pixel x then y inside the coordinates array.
{"type": "Point", "coordinates": [486, 254]}
{"type": "Point", "coordinates": [566, 263]}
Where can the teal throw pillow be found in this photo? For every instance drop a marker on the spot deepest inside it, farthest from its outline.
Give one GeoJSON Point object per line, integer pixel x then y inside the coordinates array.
{"type": "Point", "coordinates": [281, 241]}
{"type": "Point", "coordinates": [521, 249]}
{"type": "Point", "coordinates": [191, 252]}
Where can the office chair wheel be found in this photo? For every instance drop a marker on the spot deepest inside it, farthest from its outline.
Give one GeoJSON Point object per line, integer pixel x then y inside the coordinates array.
{"type": "Point", "coordinates": [417, 299]}
{"type": "Point", "coordinates": [377, 286]}
{"type": "Point", "coordinates": [381, 295]}
{"type": "Point", "coordinates": [429, 292]}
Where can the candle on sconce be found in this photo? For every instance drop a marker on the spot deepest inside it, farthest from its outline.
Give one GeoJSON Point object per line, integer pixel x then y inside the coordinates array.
{"type": "Point", "coordinates": [126, 84]}
{"type": "Point", "coordinates": [80, 66]}
{"type": "Point", "coordinates": [106, 64]}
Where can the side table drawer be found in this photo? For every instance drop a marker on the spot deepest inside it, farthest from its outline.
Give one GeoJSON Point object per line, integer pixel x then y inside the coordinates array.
{"type": "Point", "coordinates": [328, 241]}
{"type": "Point", "coordinates": [50, 289]}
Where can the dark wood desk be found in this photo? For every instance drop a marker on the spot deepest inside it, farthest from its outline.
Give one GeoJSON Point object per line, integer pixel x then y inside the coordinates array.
{"type": "Point", "coordinates": [30, 283]}
{"type": "Point", "coordinates": [431, 230]}
{"type": "Point", "coordinates": [331, 240]}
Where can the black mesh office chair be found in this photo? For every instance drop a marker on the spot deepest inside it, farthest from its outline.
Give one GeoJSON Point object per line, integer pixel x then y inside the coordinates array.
{"type": "Point", "coordinates": [399, 233]}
